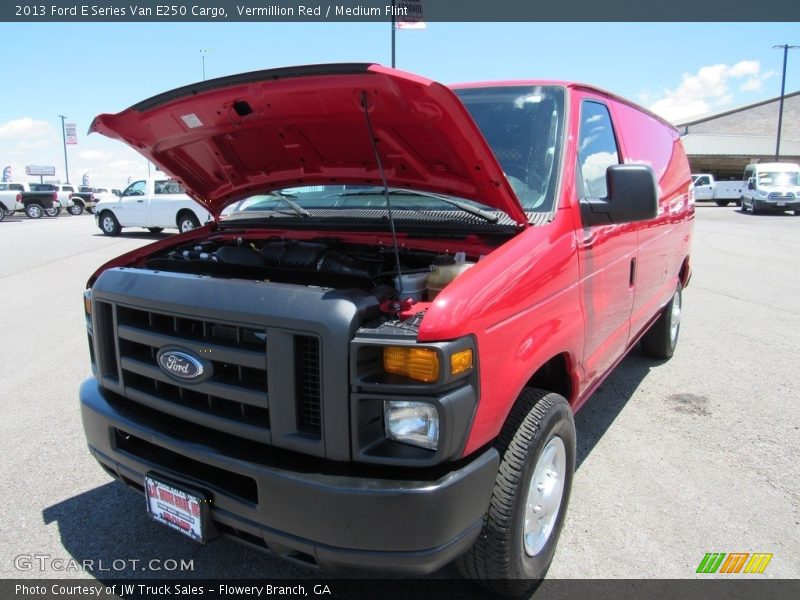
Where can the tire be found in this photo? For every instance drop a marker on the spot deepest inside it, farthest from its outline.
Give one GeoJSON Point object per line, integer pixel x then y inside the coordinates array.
{"type": "Point", "coordinates": [510, 556]}
{"type": "Point", "coordinates": [187, 221]}
{"type": "Point", "coordinates": [742, 205]}
{"type": "Point", "coordinates": [34, 211]}
{"type": "Point", "coordinates": [3, 214]}
{"type": "Point", "coordinates": [90, 210]}
{"type": "Point", "coordinates": [109, 224]}
{"type": "Point", "coordinates": [722, 202]}
{"type": "Point", "coordinates": [75, 210]}
{"type": "Point", "coordinates": [155, 229]}
{"type": "Point", "coordinates": [52, 212]}
{"type": "Point", "coordinates": [753, 207]}
{"type": "Point", "coordinates": [662, 338]}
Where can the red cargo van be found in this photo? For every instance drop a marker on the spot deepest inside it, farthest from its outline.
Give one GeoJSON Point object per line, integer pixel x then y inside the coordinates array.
{"type": "Point", "coordinates": [376, 362]}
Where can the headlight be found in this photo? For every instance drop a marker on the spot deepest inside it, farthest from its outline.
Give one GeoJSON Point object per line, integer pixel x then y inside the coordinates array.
{"type": "Point", "coordinates": [421, 364]}
{"type": "Point", "coordinates": [415, 423]}
{"type": "Point", "coordinates": [87, 302]}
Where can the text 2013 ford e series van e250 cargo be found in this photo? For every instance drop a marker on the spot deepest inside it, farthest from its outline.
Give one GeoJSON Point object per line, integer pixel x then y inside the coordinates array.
{"type": "Point", "coordinates": [375, 363]}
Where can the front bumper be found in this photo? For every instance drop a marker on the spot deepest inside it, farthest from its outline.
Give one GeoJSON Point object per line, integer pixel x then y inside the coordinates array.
{"type": "Point", "coordinates": [776, 205]}
{"type": "Point", "coordinates": [324, 513]}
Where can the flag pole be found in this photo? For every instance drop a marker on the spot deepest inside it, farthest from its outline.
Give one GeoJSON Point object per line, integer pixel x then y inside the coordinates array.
{"type": "Point", "coordinates": [393, 34]}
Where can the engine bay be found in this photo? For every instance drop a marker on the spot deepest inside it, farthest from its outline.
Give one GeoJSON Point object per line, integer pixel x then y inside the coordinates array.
{"type": "Point", "coordinates": [321, 262]}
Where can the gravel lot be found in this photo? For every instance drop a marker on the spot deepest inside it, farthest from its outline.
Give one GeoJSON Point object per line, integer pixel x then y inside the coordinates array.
{"type": "Point", "coordinates": [676, 459]}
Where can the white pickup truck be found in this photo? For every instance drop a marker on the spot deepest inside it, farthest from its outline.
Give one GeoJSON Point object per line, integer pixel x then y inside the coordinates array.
{"type": "Point", "coordinates": [9, 196]}
{"type": "Point", "coordinates": [154, 203]}
{"type": "Point", "coordinates": [722, 192]}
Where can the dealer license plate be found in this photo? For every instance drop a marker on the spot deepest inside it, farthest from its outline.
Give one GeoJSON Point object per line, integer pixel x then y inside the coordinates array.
{"type": "Point", "coordinates": [781, 203]}
{"type": "Point", "coordinates": [176, 508]}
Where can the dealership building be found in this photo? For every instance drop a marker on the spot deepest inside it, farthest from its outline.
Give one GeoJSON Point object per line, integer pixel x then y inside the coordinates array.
{"type": "Point", "coordinates": [724, 143]}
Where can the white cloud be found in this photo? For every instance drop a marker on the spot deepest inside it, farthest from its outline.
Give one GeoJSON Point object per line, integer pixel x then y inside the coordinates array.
{"type": "Point", "coordinates": [745, 67]}
{"type": "Point", "coordinates": [25, 127]}
{"type": "Point", "coordinates": [697, 93]}
{"type": "Point", "coordinates": [751, 85]}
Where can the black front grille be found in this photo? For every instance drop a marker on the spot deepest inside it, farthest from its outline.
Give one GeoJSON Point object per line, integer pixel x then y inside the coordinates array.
{"type": "Point", "coordinates": [234, 399]}
{"type": "Point", "coordinates": [308, 385]}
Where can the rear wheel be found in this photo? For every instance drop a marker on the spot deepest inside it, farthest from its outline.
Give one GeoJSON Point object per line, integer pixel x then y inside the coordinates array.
{"type": "Point", "coordinates": [109, 224]}
{"type": "Point", "coordinates": [662, 338]}
{"type": "Point", "coordinates": [53, 212]}
{"type": "Point", "coordinates": [531, 493]}
{"type": "Point", "coordinates": [187, 221]}
{"type": "Point", "coordinates": [722, 202]}
{"type": "Point", "coordinates": [3, 214]}
{"type": "Point", "coordinates": [34, 211]}
{"type": "Point", "coordinates": [76, 209]}
{"type": "Point", "coordinates": [155, 229]}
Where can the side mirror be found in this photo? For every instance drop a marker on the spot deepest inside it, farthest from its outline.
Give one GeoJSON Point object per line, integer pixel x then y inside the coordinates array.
{"type": "Point", "coordinates": [751, 185]}
{"type": "Point", "coordinates": [632, 196]}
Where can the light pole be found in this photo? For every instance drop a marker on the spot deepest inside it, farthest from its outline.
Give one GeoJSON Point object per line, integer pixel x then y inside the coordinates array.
{"type": "Point", "coordinates": [203, 53]}
{"type": "Point", "coordinates": [786, 48]}
{"type": "Point", "coordinates": [64, 139]}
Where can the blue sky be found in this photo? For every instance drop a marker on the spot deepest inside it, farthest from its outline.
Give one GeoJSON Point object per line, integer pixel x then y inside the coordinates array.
{"type": "Point", "coordinates": [82, 69]}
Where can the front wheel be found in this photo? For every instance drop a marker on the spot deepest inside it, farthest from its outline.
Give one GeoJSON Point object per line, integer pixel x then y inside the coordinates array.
{"type": "Point", "coordinates": [530, 497]}
{"type": "Point", "coordinates": [3, 214]}
{"type": "Point", "coordinates": [187, 222]}
{"type": "Point", "coordinates": [109, 224]}
{"type": "Point", "coordinates": [34, 211]}
{"type": "Point", "coordinates": [75, 210]}
{"type": "Point", "coordinates": [662, 338]}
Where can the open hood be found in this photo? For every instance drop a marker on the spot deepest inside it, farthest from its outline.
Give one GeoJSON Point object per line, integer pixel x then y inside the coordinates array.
{"type": "Point", "coordinates": [228, 138]}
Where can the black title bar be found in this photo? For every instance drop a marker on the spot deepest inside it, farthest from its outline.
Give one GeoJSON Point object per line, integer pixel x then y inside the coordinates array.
{"type": "Point", "coordinates": [384, 10]}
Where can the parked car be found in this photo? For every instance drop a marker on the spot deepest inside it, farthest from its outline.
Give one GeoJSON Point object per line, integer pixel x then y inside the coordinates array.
{"type": "Point", "coordinates": [64, 194]}
{"type": "Point", "coordinates": [38, 199]}
{"type": "Point", "coordinates": [270, 377]}
{"type": "Point", "coordinates": [771, 187]}
{"type": "Point", "coordinates": [154, 203]}
{"type": "Point", "coordinates": [10, 196]}
{"type": "Point", "coordinates": [721, 192]}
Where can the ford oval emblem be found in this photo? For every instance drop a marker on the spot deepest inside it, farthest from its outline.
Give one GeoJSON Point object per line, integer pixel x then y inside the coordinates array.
{"type": "Point", "coordinates": [180, 364]}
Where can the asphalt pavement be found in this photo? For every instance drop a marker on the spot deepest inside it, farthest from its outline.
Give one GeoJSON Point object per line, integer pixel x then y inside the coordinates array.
{"type": "Point", "coordinates": [676, 459]}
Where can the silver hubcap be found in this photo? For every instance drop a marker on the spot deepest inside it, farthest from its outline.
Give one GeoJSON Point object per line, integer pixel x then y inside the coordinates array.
{"type": "Point", "coordinates": [35, 211]}
{"type": "Point", "coordinates": [675, 318]}
{"type": "Point", "coordinates": [108, 224]}
{"type": "Point", "coordinates": [544, 496]}
{"type": "Point", "coordinates": [186, 225]}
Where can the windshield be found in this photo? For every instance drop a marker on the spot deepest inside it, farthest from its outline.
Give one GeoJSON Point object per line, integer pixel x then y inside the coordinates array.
{"type": "Point", "coordinates": [524, 128]}
{"type": "Point", "coordinates": [298, 201]}
{"type": "Point", "coordinates": [779, 178]}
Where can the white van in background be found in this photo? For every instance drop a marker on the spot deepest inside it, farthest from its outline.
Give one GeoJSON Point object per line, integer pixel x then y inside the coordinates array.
{"type": "Point", "coordinates": [773, 187]}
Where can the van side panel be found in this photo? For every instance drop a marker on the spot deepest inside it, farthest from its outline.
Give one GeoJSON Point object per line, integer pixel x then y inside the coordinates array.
{"type": "Point", "coordinates": [663, 243]}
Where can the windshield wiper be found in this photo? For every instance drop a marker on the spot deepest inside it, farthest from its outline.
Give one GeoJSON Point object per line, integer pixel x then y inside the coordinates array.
{"type": "Point", "coordinates": [467, 208]}
{"type": "Point", "coordinates": [287, 199]}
